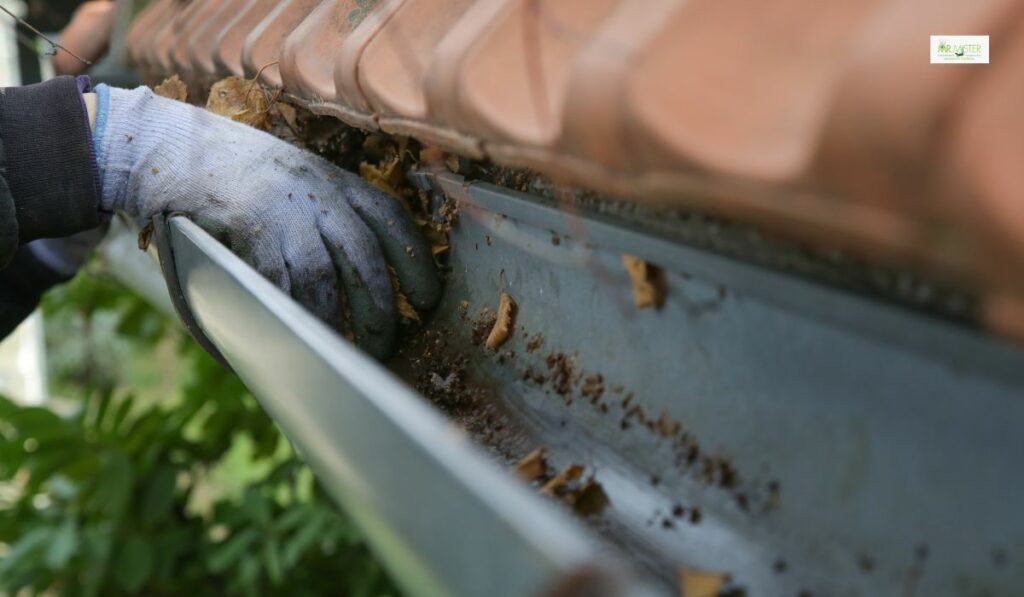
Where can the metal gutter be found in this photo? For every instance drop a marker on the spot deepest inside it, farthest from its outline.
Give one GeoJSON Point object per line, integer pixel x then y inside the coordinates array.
{"type": "Point", "coordinates": [443, 519]}
{"type": "Point", "coordinates": [891, 438]}
{"type": "Point", "coordinates": [954, 344]}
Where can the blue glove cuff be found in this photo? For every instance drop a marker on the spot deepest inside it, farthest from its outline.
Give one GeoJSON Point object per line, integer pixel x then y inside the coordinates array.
{"type": "Point", "coordinates": [99, 128]}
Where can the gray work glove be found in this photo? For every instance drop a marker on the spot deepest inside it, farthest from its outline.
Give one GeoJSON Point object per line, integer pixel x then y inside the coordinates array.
{"type": "Point", "coordinates": [318, 232]}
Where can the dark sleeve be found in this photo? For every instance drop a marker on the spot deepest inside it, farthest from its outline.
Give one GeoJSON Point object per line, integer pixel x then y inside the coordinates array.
{"type": "Point", "coordinates": [8, 215]}
{"type": "Point", "coordinates": [22, 283]}
{"type": "Point", "coordinates": [50, 186]}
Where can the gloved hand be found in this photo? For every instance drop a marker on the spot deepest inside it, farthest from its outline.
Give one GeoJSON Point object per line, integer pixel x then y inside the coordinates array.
{"type": "Point", "coordinates": [318, 232]}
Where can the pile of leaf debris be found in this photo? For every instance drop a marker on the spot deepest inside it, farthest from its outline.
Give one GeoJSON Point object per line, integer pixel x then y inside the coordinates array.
{"type": "Point", "coordinates": [379, 159]}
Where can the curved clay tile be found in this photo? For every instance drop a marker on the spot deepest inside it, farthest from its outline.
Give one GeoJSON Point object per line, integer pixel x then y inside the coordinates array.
{"type": "Point", "coordinates": [261, 52]}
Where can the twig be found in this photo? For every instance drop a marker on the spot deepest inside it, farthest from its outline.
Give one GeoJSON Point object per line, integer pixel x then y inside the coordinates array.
{"type": "Point", "coordinates": [52, 43]}
{"type": "Point", "coordinates": [256, 78]}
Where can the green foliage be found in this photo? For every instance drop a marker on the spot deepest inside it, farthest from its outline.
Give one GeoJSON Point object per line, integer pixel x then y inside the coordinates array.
{"type": "Point", "coordinates": [180, 485]}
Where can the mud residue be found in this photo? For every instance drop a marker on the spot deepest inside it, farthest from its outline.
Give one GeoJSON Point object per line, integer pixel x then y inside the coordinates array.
{"type": "Point", "coordinates": [431, 361]}
{"type": "Point", "coordinates": [534, 343]}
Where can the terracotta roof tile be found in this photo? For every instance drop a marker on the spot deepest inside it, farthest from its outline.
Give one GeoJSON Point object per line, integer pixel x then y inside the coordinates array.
{"type": "Point", "coordinates": [204, 41]}
{"type": "Point", "coordinates": [309, 52]}
{"type": "Point", "coordinates": [819, 120]}
{"type": "Point", "coordinates": [262, 47]}
{"type": "Point", "coordinates": [227, 55]}
{"type": "Point", "coordinates": [394, 65]}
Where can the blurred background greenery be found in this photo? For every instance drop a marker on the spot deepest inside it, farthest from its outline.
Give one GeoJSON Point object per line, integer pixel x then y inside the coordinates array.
{"type": "Point", "coordinates": [151, 470]}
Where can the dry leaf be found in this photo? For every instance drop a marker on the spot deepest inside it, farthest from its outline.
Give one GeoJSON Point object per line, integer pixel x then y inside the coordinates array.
{"type": "Point", "coordinates": [700, 583]}
{"type": "Point", "coordinates": [573, 471]}
{"type": "Point", "coordinates": [431, 156]}
{"type": "Point", "coordinates": [146, 236]}
{"type": "Point", "coordinates": [438, 249]}
{"type": "Point", "coordinates": [289, 113]}
{"type": "Point", "coordinates": [589, 499]}
{"type": "Point", "coordinates": [648, 285]}
{"type": "Point", "coordinates": [386, 176]}
{"type": "Point", "coordinates": [503, 324]}
{"type": "Point", "coordinates": [172, 88]}
{"type": "Point", "coordinates": [405, 308]}
{"type": "Point", "coordinates": [533, 466]}
{"type": "Point", "coordinates": [240, 100]}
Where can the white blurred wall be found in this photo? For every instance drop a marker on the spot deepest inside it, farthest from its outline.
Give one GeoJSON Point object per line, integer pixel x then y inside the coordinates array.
{"type": "Point", "coordinates": [23, 363]}
{"type": "Point", "coordinates": [9, 73]}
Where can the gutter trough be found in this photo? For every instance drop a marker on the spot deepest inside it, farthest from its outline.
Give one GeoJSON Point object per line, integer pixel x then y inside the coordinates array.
{"type": "Point", "coordinates": [800, 439]}
{"type": "Point", "coordinates": [442, 518]}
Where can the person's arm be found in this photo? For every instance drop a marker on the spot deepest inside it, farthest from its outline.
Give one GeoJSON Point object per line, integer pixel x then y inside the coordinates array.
{"type": "Point", "coordinates": [90, 107]}
{"type": "Point", "coordinates": [49, 164]}
{"type": "Point", "coordinates": [48, 187]}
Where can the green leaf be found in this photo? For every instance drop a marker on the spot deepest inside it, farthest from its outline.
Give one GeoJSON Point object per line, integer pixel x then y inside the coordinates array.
{"type": "Point", "coordinates": [231, 550]}
{"type": "Point", "coordinates": [114, 485]}
{"type": "Point", "coordinates": [134, 564]}
{"type": "Point", "coordinates": [123, 409]}
{"type": "Point", "coordinates": [42, 467]}
{"type": "Point", "coordinates": [158, 495]}
{"type": "Point", "coordinates": [249, 575]}
{"type": "Point", "coordinates": [292, 518]}
{"type": "Point", "coordinates": [303, 540]}
{"type": "Point", "coordinates": [101, 409]}
{"type": "Point", "coordinates": [272, 559]}
{"type": "Point", "coordinates": [20, 564]}
{"type": "Point", "coordinates": [63, 545]}
{"type": "Point", "coordinates": [33, 418]}
{"type": "Point", "coordinates": [256, 506]}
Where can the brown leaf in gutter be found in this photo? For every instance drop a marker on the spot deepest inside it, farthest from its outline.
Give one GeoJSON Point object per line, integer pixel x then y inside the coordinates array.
{"type": "Point", "coordinates": [386, 176]}
{"type": "Point", "coordinates": [290, 115]}
{"type": "Point", "coordinates": [503, 324]}
{"type": "Point", "coordinates": [172, 88]}
{"type": "Point", "coordinates": [559, 481]}
{"type": "Point", "coordinates": [647, 280]}
{"type": "Point", "coordinates": [589, 499]}
{"type": "Point", "coordinates": [240, 100]}
{"type": "Point", "coordinates": [700, 583]}
{"type": "Point", "coordinates": [533, 466]}
{"type": "Point", "coordinates": [430, 156]}
{"type": "Point", "coordinates": [146, 236]}
{"type": "Point", "coordinates": [405, 308]}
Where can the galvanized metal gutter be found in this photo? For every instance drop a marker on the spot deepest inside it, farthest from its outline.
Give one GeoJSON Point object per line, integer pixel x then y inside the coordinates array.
{"type": "Point", "coordinates": [443, 520]}
{"type": "Point", "coordinates": [894, 437]}
{"type": "Point", "coordinates": [875, 450]}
